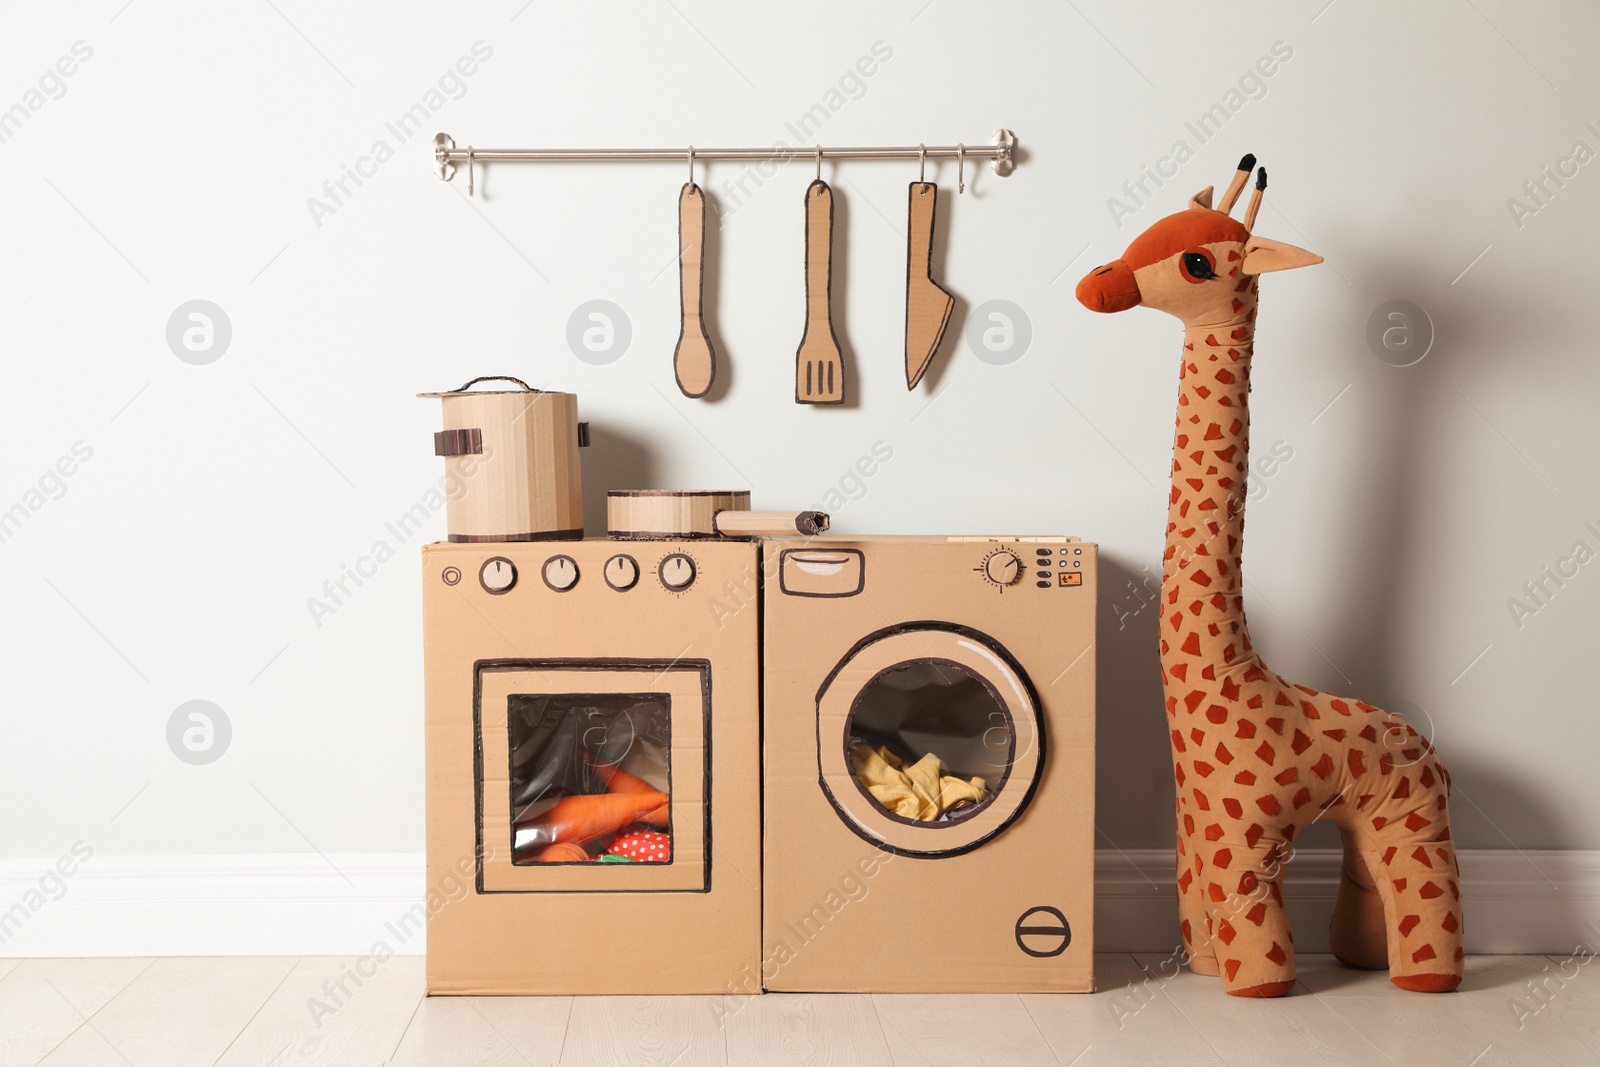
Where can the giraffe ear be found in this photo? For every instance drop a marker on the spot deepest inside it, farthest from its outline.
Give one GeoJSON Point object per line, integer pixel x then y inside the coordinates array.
{"type": "Point", "coordinates": [1262, 255]}
{"type": "Point", "coordinates": [1202, 198]}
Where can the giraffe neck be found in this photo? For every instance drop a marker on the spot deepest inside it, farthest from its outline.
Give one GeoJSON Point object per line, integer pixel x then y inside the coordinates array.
{"type": "Point", "coordinates": [1201, 576]}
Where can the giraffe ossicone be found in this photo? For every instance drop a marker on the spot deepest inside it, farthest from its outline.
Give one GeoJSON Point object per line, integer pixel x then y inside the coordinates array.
{"type": "Point", "coordinates": [1256, 758]}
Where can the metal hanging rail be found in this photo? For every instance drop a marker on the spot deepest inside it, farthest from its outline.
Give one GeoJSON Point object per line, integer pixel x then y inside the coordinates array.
{"type": "Point", "coordinates": [999, 154]}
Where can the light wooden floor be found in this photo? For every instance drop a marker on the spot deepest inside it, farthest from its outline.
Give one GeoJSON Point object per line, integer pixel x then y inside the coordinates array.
{"type": "Point", "coordinates": [255, 1011]}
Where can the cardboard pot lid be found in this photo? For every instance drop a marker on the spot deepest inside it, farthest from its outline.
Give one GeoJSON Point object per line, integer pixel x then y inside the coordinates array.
{"type": "Point", "coordinates": [467, 390]}
{"type": "Point", "coordinates": [737, 494]}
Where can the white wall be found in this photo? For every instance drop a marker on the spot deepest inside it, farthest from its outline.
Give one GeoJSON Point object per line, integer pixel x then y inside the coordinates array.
{"type": "Point", "coordinates": [179, 162]}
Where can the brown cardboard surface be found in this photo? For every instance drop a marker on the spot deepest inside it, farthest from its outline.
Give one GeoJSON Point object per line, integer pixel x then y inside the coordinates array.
{"type": "Point", "coordinates": [512, 460]}
{"type": "Point", "coordinates": [849, 905]}
{"type": "Point", "coordinates": [692, 926]}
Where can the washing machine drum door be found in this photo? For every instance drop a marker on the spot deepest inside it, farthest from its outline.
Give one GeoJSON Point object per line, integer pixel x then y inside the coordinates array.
{"type": "Point", "coordinates": [929, 739]}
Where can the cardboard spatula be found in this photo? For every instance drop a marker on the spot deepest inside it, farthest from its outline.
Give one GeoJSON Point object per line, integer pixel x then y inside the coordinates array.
{"type": "Point", "coordinates": [928, 305]}
{"type": "Point", "coordinates": [819, 365]}
{"type": "Point", "coordinates": [694, 363]}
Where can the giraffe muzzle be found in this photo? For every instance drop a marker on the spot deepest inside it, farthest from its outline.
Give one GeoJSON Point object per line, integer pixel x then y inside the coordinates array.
{"type": "Point", "coordinates": [1109, 288]}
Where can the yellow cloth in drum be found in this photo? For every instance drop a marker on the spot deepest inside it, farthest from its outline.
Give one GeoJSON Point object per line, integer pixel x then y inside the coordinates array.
{"type": "Point", "coordinates": [920, 791]}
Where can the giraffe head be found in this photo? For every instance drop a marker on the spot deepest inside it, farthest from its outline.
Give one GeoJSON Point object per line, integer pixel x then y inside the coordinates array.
{"type": "Point", "coordinates": [1199, 265]}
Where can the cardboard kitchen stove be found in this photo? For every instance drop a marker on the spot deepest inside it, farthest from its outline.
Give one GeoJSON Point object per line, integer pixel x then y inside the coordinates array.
{"type": "Point", "coordinates": [722, 751]}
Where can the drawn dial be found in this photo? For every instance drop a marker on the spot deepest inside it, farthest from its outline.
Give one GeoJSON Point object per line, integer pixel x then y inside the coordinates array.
{"type": "Point", "coordinates": [622, 573]}
{"type": "Point", "coordinates": [498, 575]}
{"type": "Point", "coordinates": [560, 573]}
{"type": "Point", "coordinates": [1002, 568]}
{"type": "Point", "coordinates": [677, 572]}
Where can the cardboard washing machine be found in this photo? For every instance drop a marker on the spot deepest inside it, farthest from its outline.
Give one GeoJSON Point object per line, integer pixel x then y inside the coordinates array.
{"type": "Point", "coordinates": [552, 661]}
{"type": "Point", "coordinates": [879, 652]}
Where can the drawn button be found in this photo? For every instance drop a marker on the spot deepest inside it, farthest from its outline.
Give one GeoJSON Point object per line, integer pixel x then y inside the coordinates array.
{"type": "Point", "coordinates": [1043, 931]}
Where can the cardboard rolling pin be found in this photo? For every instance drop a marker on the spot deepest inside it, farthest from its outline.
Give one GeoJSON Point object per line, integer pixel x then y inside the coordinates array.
{"type": "Point", "coordinates": [769, 523]}
{"type": "Point", "coordinates": [672, 515]}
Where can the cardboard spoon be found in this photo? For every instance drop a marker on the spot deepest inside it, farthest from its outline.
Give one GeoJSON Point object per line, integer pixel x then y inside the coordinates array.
{"type": "Point", "coordinates": [694, 362]}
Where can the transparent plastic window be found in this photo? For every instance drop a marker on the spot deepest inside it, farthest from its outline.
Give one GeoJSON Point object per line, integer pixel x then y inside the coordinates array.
{"type": "Point", "coordinates": [930, 741]}
{"type": "Point", "coordinates": [591, 777]}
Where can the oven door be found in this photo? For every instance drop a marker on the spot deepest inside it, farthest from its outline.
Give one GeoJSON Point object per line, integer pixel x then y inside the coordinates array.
{"type": "Point", "coordinates": [556, 732]}
{"type": "Point", "coordinates": [929, 739]}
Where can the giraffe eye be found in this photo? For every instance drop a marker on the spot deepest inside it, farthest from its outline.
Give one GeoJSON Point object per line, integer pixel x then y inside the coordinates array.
{"type": "Point", "coordinates": [1196, 266]}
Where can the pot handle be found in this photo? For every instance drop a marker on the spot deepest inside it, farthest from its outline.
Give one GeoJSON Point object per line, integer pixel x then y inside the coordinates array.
{"type": "Point", "coordinates": [468, 442]}
{"type": "Point", "coordinates": [496, 378]}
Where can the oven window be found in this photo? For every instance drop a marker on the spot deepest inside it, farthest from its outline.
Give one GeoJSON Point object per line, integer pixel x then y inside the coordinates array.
{"type": "Point", "coordinates": [591, 777]}
{"type": "Point", "coordinates": [930, 742]}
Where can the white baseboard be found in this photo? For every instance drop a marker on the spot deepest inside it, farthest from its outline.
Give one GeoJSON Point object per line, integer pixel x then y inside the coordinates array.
{"type": "Point", "coordinates": [1515, 902]}
{"type": "Point", "coordinates": [301, 904]}
{"type": "Point", "coordinates": [278, 904]}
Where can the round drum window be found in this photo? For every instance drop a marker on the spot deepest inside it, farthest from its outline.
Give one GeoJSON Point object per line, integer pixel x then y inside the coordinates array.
{"type": "Point", "coordinates": [930, 742]}
{"type": "Point", "coordinates": [929, 739]}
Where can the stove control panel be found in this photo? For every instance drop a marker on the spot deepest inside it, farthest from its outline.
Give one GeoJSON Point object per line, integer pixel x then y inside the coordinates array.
{"type": "Point", "coordinates": [1045, 562]}
{"type": "Point", "coordinates": [675, 572]}
{"type": "Point", "coordinates": [1054, 569]}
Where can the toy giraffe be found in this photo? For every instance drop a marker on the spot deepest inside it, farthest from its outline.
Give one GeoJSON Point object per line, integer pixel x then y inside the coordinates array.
{"type": "Point", "coordinates": [1256, 758]}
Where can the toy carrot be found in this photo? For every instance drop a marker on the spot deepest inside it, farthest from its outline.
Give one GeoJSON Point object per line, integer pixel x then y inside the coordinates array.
{"type": "Point", "coordinates": [583, 818]}
{"type": "Point", "coordinates": [565, 852]}
{"type": "Point", "coordinates": [618, 780]}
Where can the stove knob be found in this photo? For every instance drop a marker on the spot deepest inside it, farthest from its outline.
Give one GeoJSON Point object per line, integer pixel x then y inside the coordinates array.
{"type": "Point", "coordinates": [498, 575]}
{"type": "Point", "coordinates": [622, 573]}
{"type": "Point", "coordinates": [677, 572]}
{"type": "Point", "coordinates": [1002, 568]}
{"type": "Point", "coordinates": [560, 573]}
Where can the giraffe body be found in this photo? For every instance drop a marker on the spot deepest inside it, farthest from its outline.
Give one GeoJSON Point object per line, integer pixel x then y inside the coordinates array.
{"type": "Point", "coordinates": [1256, 758]}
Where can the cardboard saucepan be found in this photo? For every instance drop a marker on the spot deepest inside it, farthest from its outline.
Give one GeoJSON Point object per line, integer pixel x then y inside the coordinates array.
{"type": "Point", "coordinates": [512, 460]}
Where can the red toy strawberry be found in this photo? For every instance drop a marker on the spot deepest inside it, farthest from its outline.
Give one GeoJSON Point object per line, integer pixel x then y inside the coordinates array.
{"type": "Point", "coordinates": [643, 846]}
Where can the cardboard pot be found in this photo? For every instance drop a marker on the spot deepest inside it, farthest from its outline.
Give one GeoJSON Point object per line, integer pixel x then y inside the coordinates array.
{"type": "Point", "coordinates": [512, 458]}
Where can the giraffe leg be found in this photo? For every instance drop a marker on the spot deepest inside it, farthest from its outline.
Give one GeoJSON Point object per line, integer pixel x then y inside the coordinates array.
{"type": "Point", "coordinates": [1193, 919]}
{"type": "Point", "coordinates": [1358, 934]}
{"type": "Point", "coordinates": [1254, 946]}
{"type": "Point", "coordinates": [1417, 878]}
